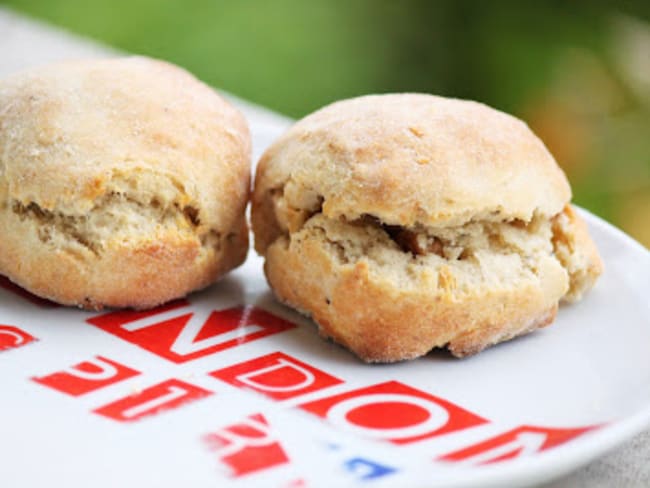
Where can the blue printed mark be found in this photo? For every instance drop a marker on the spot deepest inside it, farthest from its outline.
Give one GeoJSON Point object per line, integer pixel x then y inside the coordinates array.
{"type": "Point", "coordinates": [367, 469]}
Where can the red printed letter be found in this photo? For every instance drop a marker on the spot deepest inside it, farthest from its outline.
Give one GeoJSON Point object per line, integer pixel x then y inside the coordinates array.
{"type": "Point", "coordinates": [11, 337]}
{"type": "Point", "coordinates": [393, 411]}
{"type": "Point", "coordinates": [167, 395]}
{"type": "Point", "coordinates": [87, 376]}
{"type": "Point", "coordinates": [183, 335]}
{"type": "Point", "coordinates": [276, 375]}
{"type": "Point", "coordinates": [519, 442]}
{"type": "Point", "coordinates": [247, 446]}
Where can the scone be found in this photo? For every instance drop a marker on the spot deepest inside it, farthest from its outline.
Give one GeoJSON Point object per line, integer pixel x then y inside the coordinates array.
{"type": "Point", "coordinates": [123, 183]}
{"type": "Point", "coordinates": [401, 223]}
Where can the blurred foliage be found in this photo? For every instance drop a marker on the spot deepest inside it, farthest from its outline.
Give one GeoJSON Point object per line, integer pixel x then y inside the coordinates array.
{"type": "Point", "coordinates": [578, 72]}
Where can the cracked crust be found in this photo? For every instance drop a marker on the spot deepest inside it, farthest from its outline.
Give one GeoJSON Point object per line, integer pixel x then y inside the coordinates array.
{"type": "Point", "coordinates": [370, 156]}
{"type": "Point", "coordinates": [475, 249]}
{"type": "Point", "coordinates": [123, 183]}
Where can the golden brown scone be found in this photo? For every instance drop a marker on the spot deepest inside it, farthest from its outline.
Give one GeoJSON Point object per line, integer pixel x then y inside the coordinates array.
{"type": "Point", "coordinates": [401, 223]}
{"type": "Point", "coordinates": [123, 182]}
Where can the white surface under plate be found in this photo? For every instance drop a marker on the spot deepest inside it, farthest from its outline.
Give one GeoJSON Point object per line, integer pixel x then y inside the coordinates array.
{"type": "Point", "coordinates": [69, 417]}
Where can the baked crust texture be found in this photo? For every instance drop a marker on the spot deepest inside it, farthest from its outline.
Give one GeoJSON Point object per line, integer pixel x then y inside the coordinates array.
{"type": "Point", "coordinates": [123, 182]}
{"type": "Point", "coordinates": [402, 223]}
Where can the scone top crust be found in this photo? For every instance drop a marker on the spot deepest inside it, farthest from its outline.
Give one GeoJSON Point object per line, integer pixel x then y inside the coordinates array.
{"type": "Point", "coordinates": [409, 159]}
{"type": "Point", "coordinates": [72, 132]}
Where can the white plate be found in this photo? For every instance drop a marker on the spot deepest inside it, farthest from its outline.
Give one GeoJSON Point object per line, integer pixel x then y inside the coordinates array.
{"type": "Point", "coordinates": [65, 426]}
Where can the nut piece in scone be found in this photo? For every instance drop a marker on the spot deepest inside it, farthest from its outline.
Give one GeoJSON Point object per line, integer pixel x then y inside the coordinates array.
{"type": "Point", "coordinates": [401, 223]}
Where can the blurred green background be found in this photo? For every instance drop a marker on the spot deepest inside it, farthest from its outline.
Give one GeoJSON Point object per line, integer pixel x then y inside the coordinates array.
{"type": "Point", "coordinates": [577, 72]}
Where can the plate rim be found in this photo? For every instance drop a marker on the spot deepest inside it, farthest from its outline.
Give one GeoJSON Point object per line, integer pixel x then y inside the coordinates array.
{"type": "Point", "coordinates": [567, 458]}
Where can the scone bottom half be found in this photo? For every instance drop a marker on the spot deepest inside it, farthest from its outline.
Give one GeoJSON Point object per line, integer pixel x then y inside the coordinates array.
{"type": "Point", "coordinates": [389, 291]}
{"type": "Point", "coordinates": [123, 183]}
{"type": "Point", "coordinates": [142, 242]}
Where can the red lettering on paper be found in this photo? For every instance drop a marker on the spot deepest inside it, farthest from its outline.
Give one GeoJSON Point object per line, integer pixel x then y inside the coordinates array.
{"type": "Point", "coordinates": [11, 337]}
{"type": "Point", "coordinates": [8, 285]}
{"type": "Point", "coordinates": [520, 442]}
{"type": "Point", "coordinates": [394, 412]}
{"type": "Point", "coordinates": [247, 446]}
{"type": "Point", "coordinates": [276, 375]}
{"type": "Point", "coordinates": [164, 396]}
{"type": "Point", "coordinates": [179, 334]}
{"type": "Point", "coordinates": [87, 376]}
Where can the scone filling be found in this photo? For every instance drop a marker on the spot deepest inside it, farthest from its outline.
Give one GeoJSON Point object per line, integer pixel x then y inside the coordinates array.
{"type": "Point", "coordinates": [495, 252]}
{"type": "Point", "coordinates": [114, 216]}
